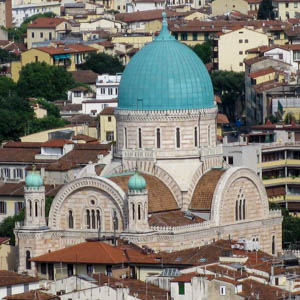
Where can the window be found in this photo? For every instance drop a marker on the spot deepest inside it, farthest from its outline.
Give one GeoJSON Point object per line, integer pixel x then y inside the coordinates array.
{"type": "Point", "coordinates": [158, 138]}
{"type": "Point", "coordinates": [32, 34]}
{"type": "Point", "coordinates": [241, 64]}
{"type": "Point", "coordinates": [8, 290]}
{"type": "Point", "coordinates": [109, 270]}
{"type": "Point", "coordinates": [286, 5]}
{"type": "Point", "coordinates": [70, 269]}
{"type": "Point", "coordinates": [115, 220]}
{"type": "Point", "coordinates": [184, 36]}
{"type": "Point", "coordinates": [280, 56]}
{"type": "Point", "coordinates": [230, 160]}
{"type": "Point", "coordinates": [246, 41]}
{"type": "Point", "coordinates": [26, 287]}
{"type": "Point", "coordinates": [43, 268]}
{"type": "Point", "coordinates": [50, 36]}
{"type": "Point", "coordinates": [90, 269]}
{"type": "Point", "coordinates": [125, 138]}
{"type": "Point", "coordinates": [93, 219]}
{"type": "Point", "coordinates": [98, 220]}
{"type": "Point", "coordinates": [71, 220]}
{"type": "Point", "coordinates": [196, 137]}
{"type": "Point", "coordinates": [195, 36]}
{"type": "Point", "coordinates": [140, 137]}
{"type": "Point", "coordinates": [139, 212]}
{"type": "Point", "coordinates": [41, 34]}
{"type": "Point", "coordinates": [241, 53]}
{"type": "Point", "coordinates": [273, 245]}
{"type": "Point", "coordinates": [181, 288]}
{"type": "Point", "coordinates": [240, 207]}
{"type": "Point", "coordinates": [2, 207]}
{"type": "Point", "coordinates": [295, 5]}
{"type": "Point", "coordinates": [177, 137]}
{"type": "Point", "coordinates": [88, 219]}
{"type": "Point", "coordinates": [36, 58]}
{"type": "Point", "coordinates": [240, 41]}
{"type": "Point", "coordinates": [6, 172]}
{"type": "Point", "coordinates": [102, 91]}
{"type": "Point", "coordinates": [133, 211]}
{"type": "Point", "coordinates": [109, 135]}
{"type": "Point", "coordinates": [36, 208]}
{"type": "Point", "coordinates": [109, 119]}
{"type": "Point", "coordinates": [222, 290]}
{"type": "Point", "coordinates": [28, 262]}
{"type": "Point", "coordinates": [77, 94]}
{"type": "Point", "coordinates": [18, 207]}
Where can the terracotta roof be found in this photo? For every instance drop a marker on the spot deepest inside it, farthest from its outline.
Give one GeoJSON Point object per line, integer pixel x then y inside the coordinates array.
{"type": "Point", "coordinates": [267, 85]}
{"type": "Point", "coordinates": [56, 143]}
{"type": "Point", "coordinates": [254, 1]}
{"type": "Point", "coordinates": [70, 48]}
{"type": "Point", "coordinates": [228, 280]}
{"type": "Point", "coordinates": [97, 146]}
{"type": "Point", "coordinates": [136, 288]}
{"type": "Point", "coordinates": [22, 155]}
{"type": "Point", "coordinates": [254, 60]}
{"type": "Point", "coordinates": [31, 295]}
{"type": "Point", "coordinates": [265, 48]}
{"type": "Point", "coordinates": [187, 277]}
{"type": "Point", "coordinates": [82, 119]}
{"type": "Point", "coordinates": [46, 22]}
{"type": "Point", "coordinates": [204, 190]}
{"type": "Point", "coordinates": [147, 15]}
{"type": "Point", "coordinates": [275, 191]}
{"type": "Point", "coordinates": [262, 72]}
{"type": "Point", "coordinates": [12, 278]}
{"type": "Point", "coordinates": [173, 218]}
{"type": "Point", "coordinates": [85, 76]}
{"type": "Point", "coordinates": [83, 137]}
{"type": "Point", "coordinates": [108, 110]}
{"type": "Point", "coordinates": [79, 89]}
{"type": "Point", "coordinates": [70, 107]}
{"type": "Point", "coordinates": [4, 240]}
{"type": "Point", "coordinates": [159, 195]}
{"type": "Point", "coordinates": [222, 119]}
{"type": "Point", "coordinates": [29, 145]}
{"type": "Point", "coordinates": [106, 44]}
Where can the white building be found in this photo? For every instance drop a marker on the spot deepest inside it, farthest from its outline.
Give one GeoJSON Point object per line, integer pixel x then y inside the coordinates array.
{"type": "Point", "coordinates": [107, 86]}
{"type": "Point", "coordinates": [22, 12]}
{"type": "Point", "coordinates": [141, 5]}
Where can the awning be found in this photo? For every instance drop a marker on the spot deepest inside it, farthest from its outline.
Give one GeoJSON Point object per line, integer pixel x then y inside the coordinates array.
{"type": "Point", "coordinates": [61, 56]}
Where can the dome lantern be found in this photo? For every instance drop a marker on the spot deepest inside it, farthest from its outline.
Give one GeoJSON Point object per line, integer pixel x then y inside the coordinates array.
{"type": "Point", "coordinates": [33, 179]}
{"type": "Point", "coordinates": [136, 183]}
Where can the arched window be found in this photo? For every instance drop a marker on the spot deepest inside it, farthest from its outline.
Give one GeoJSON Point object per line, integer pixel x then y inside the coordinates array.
{"type": "Point", "coordinates": [236, 210]}
{"type": "Point", "coordinates": [244, 209]}
{"type": "Point", "coordinates": [36, 208]}
{"type": "Point", "coordinates": [273, 245]}
{"type": "Point", "coordinates": [240, 210]}
{"type": "Point", "coordinates": [98, 219]}
{"type": "Point", "coordinates": [140, 138]}
{"type": "Point", "coordinates": [133, 211]}
{"type": "Point", "coordinates": [139, 212]}
{"type": "Point", "coordinates": [71, 220]}
{"type": "Point", "coordinates": [196, 136]}
{"type": "Point", "coordinates": [88, 219]}
{"type": "Point", "coordinates": [240, 207]}
{"type": "Point", "coordinates": [125, 138]}
{"type": "Point", "coordinates": [177, 137]}
{"type": "Point", "coordinates": [93, 219]}
{"type": "Point", "coordinates": [158, 138]}
{"type": "Point", "coordinates": [28, 262]}
{"type": "Point", "coordinates": [30, 208]}
{"type": "Point", "coordinates": [115, 220]}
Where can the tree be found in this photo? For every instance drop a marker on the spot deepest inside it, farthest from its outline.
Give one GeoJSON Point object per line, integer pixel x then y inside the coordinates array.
{"type": "Point", "coordinates": [289, 118]}
{"type": "Point", "coordinates": [6, 56]}
{"type": "Point", "coordinates": [103, 63]}
{"type": "Point", "coordinates": [265, 10]}
{"type": "Point", "coordinates": [41, 80]}
{"type": "Point", "coordinates": [203, 51]}
{"type": "Point", "coordinates": [230, 86]}
{"type": "Point", "coordinates": [7, 87]}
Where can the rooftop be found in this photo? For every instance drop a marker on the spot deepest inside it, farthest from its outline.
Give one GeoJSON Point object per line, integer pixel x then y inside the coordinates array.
{"type": "Point", "coordinates": [12, 278]}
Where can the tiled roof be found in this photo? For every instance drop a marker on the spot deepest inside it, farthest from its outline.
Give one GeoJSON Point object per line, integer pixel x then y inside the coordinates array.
{"type": "Point", "coordinates": [79, 89]}
{"type": "Point", "coordinates": [204, 190]}
{"type": "Point", "coordinates": [97, 146]}
{"type": "Point", "coordinates": [29, 145]}
{"type": "Point", "coordinates": [83, 137]}
{"type": "Point", "coordinates": [108, 110]}
{"type": "Point", "coordinates": [228, 280]}
{"type": "Point", "coordinates": [85, 76]}
{"type": "Point", "coordinates": [160, 197]}
{"type": "Point", "coordinates": [18, 155]}
{"type": "Point", "coordinates": [275, 191]}
{"type": "Point", "coordinates": [254, 60]}
{"type": "Point", "coordinates": [4, 240]}
{"type": "Point", "coordinates": [265, 86]}
{"type": "Point", "coordinates": [56, 143]}
{"type": "Point", "coordinates": [187, 277]}
{"type": "Point", "coordinates": [12, 278]}
{"type": "Point", "coordinates": [46, 22]}
{"type": "Point", "coordinates": [173, 218]}
{"type": "Point", "coordinates": [70, 107]}
{"type": "Point", "coordinates": [70, 48]}
{"type": "Point", "coordinates": [222, 119]}
{"type": "Point", "coordinates": [262, 72]}
{"type": "Point", "coordinates": [32, 295]}
{"type": "Point", "coordinates": [82, 119]}
{"type": "Point", "coordinates": [106, 44]}
{"type": "Point", "coordinates": [137, 288]}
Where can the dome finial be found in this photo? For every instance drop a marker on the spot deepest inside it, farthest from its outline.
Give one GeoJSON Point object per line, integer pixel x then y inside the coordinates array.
{"type": "Point", "coordinates": [164, 32]}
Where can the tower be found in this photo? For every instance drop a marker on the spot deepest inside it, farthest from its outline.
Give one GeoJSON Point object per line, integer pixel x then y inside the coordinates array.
{"type": "Point", "coordinates": [137, 204]}
{"type": "Point", "coordinates": [34, 194]}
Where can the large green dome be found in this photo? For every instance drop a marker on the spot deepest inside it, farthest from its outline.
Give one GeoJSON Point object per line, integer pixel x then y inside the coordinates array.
{"type": "Point", "coordinates": [165, 74]}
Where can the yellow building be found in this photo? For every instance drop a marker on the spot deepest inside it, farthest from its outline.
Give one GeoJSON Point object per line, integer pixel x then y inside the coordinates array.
{"type": "Point", "coordinates": [287, 9]}
{"type": "Point", "coordinates": [107, 125]}
{"type": "Point", "coordinates": [8, 255]}
{"type": "Point", "coordinates": [220, 7]}
{"type": "Point", "coordinates": [47, 29]}
{"type": "Point", "coordinates": [231, 48]}
{"type": "Point", "coordinates": [67, 56]}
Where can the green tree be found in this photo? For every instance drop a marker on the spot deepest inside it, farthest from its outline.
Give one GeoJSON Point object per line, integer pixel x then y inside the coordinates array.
{"type": "Point", "coordinates": [48, 204]}
{"type": "Point", "coordinates": [103, 63]}
{"type": "Point", "coordinates": [265, 10]}
{"type": "Point", "coordinates": [204, 51]}
{"type": "Point", "coordinates": [7, 87]}
{"type": "Point", "coordinates": [8, 224]}
{"type": "Point", "coordinates": [230, 86]}
{"type": "Point", "coordinates": [41, 80]}
{"type": "Point", "coordinates": [6, 56]}
{"type": "Point", "coordinates": [289, 118]}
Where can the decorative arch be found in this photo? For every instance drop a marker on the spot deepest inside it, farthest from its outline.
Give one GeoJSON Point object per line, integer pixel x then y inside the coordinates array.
{"type": "Point", "coordinates": [99, 183]}
{"type": "Point", "coordinates": [229, 177]}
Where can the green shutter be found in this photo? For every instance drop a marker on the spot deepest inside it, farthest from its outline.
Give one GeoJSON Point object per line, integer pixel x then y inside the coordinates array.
{"type": "Point", "coordinates": [181, 288]}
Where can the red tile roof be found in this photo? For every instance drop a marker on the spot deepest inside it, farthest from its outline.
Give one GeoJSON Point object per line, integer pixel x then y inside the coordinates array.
{"type": "Point", "coordinates": [56, 143]}
{"type": "Point", "coordinates": [12, 278]}
{"type": "Point", "coordinates": [262, 72]}
{"type": "Point", "coordinates": [22, 155]}
{"type": "Point", "coordinates": [204, 190]}
{"type": "Point", "coordinates": [70, 48]}
{"type": "Point", "coordinates": [108, 110]}
{"type": "Point", "coordinates": [187, 277]}
{"type": "Point", "coordinates": [46, 22]}
{"type": "Point", "coordinates": [85, 76]}
{"type": "Point", "coordinates": [32, 295]}
{"type": "Point", "coordinates": [29, 145]}
{"type": "Point", "coordinates": [83, 137]}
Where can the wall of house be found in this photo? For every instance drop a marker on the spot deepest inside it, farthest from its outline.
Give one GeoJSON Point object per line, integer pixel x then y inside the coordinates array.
{"type": "Point", "coordinates": [106, 125]}
{"type": "Point", "coordinates": [37, 32]}
{"type": "Point", "coordinates": [192, 38]}
{"type": "Point", "coordinates": [8, 257]}
{"type": "Point", "coordinates": [289, 11]}
{"type": "Point", "coordinates": [220, 7]}
{"type": "Point", "coordinates": [11, 202]}
{"type": "Point", "coordinates": [17, 289]}
{"type": "Point", "coordinates": [264, 78]}
{"type": "Point", "coordinates": [235, 44]}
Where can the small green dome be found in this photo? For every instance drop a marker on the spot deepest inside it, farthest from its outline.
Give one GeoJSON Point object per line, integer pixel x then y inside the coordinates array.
{"type": "Point", "coordinates": [33, 180]}
{"type": "Point", "coordinates": [136, 182]}
{"type": "Point", "coordinates": [165, 75]}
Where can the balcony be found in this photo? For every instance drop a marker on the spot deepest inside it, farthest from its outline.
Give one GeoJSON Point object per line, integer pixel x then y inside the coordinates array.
{"type": "Point", "coordinates": [281, 180]}
{"type": "Point", "coordinates": [279, 163]}
{"type": "Point", "coordinates": [292, 197]}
